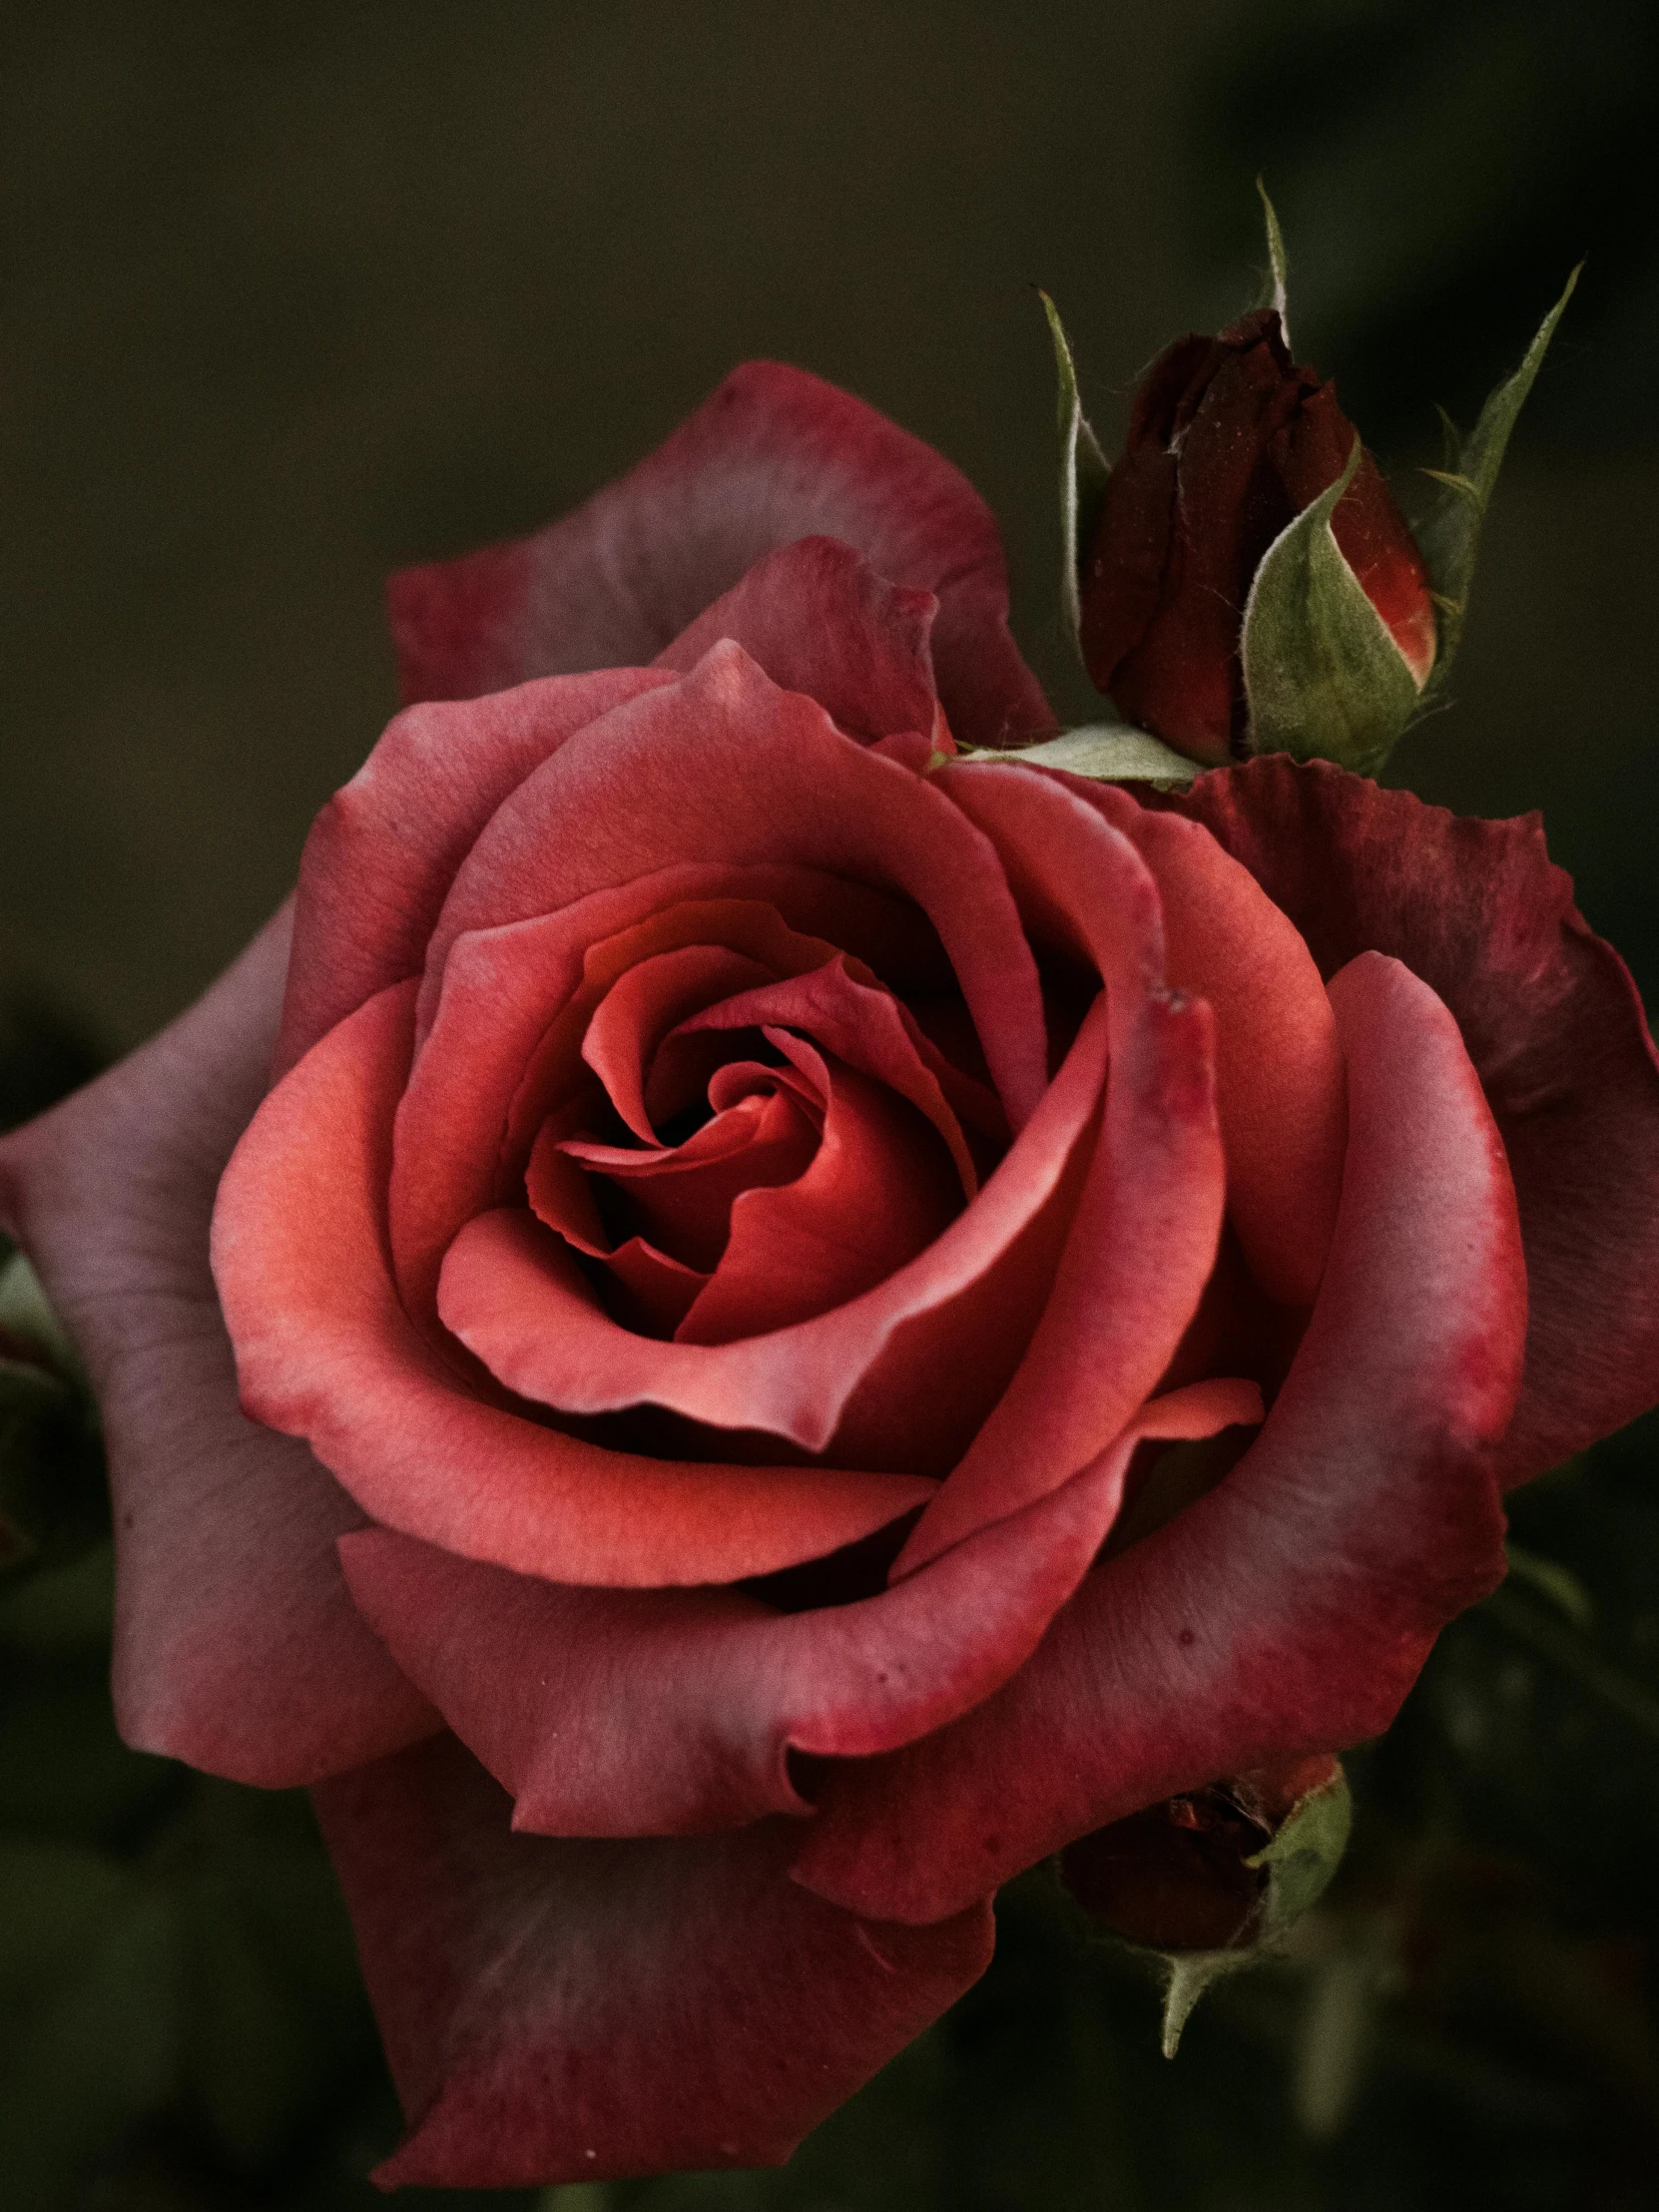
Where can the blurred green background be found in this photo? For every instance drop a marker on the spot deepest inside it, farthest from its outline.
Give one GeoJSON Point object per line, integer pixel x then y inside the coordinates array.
{"type": "Point", "coordinates": [292, 294]}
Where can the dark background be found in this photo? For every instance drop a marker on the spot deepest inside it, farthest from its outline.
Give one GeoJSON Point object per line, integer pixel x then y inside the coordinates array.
{"type": "Point", "coordinates": [293, 294]}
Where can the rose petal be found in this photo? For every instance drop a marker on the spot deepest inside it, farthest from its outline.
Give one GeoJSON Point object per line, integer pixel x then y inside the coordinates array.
{"type": "Point", "coordinates": [726, 767]}
{"type": "Point", "coordinates": [879, 1189]}
{"type": "Point", "coordinates": [236, 1646]}
{"type": "Point", "coordinates": [1279, 1071]}
{"type": "Point", "coordinates": [649, 1000]}
{"type": "Point", "coordinates": [862, 1024]}
{"type": "Point", "coordinates": [661, 1712]}
{"type": "Point", "coordinates": [325, 1351]}
{"type": "Point", "coordinates": [820, 620]}
{"type": "Point", "coordinates": [1554, 1025]}
{"type": "Point", "coordinates": [516, 1006]}
{"type": "Point", "coordinates": [513, 1294]}
{"type": "Point", "coordinates": [1141, 1247]}
{"type": "Point", "coordinates": [1289, 1609]}
{"type": "Point", "coordinates": [561, 2012]}
{"type": "Point", "coordinates": [773, 457]}
{"type": "Point", "coordinates": [383, 851]}
{"type": "Point", "coordinates": [683, 1198]}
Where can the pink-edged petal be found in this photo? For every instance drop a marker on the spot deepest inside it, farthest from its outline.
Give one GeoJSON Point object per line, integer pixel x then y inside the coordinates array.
{"type": "Point", "coordinates": [723, 766]}
{"type": "Point", "coordinates": [1279, 1070]}
{"type": "Point", "coordinates": [236, 1647]}
{"type": "Point", "coordinates": [1140, 1250]}
{"type": "Point", "coordinates": [670, 1712]}
{"type": "Point", "coordinates": [772, 456]}
{"type": "Point", "coordinates": [578, 2010]}
{"type": "Point", "coordinates": [1552, 1022]}
{"type": "Point", "coordinates": [514, 1296]}
{"type": "Point", "coordinates": [383, 851]}
{"type": "Point", "coordinates": [325, 1350]}
{"type": "Point", "coordinates": [1290, 1609]}
{"type": "Point", "coordinates": [820, 620]}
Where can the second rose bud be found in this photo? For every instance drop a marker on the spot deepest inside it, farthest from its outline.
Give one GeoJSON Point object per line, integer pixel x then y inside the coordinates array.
{"type": "Point", "coordinates": [1229, 443]}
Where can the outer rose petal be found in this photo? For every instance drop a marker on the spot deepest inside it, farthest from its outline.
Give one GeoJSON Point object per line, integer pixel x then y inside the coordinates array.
{"type": "Point", "coordinates": [820, 620]}
{"type": "Point", "coordinates": [325, 1350]}
{"type": "Point", "coordinates": [236, 1645]}
{"type": "Point", "coordinates": [663, 1712]}
{"type": "Point", "coordinates": [1290, 1609]}
{"type": "Point", "coordinates": [1552, 1023]}
{"type": "Point", "coordinates": [383, 851]}
{"type": "Point", "coordinates": [771, 456]}
{"type": "Point", "coordinates": [563, 2011]}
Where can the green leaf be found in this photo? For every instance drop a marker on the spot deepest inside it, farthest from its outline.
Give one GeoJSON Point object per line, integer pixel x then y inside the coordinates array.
{"type": "Point", "coordinates": [1083, 472]}
{"type": "Point", "coordinates": [1275, 293]}
{"type": "Point", "coordinates": [1323, 675]}
{"type": "Point", "coordinates": [1299, 1861]}
{"type": "Point", "coordinates": [1451, 535]}
{"type": "Point", "coordinates": [1109, 752]}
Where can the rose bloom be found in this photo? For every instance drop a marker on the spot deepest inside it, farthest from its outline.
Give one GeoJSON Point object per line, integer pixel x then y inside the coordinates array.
{"type": "Point", "coordinates": [803, 1322]}
{"type": "Point", "coordinates": [1229, 440]}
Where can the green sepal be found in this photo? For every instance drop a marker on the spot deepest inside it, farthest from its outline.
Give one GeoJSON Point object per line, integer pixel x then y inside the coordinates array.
{"type": "Point", "coordinates": [1449, 535]}
{"type": "Point", "coordinates": [1324, 678]}
{"type": "Point", "coordinates": [1107, 752]}
{"type": "Point", "coordinates": [1083, 472]}
{"type": "Point", "coordinates": [1276, 292]}
{"type": "Point", "coordinates": [1298, 1861]}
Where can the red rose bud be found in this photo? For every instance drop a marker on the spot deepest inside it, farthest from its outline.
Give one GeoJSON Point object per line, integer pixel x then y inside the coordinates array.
{"type": "Point", "coordinates": [1229, 443]}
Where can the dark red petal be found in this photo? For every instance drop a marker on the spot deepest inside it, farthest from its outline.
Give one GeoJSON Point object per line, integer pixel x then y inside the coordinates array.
{"type": "Point", "coordinates": [325, 1350]}
{"type": "Point", "coordinates": [1290, 1609]}
{"type": "Point", "coordinates": [773, 457]}
{"type": "Point", "coordinates": [1183, 678]}
{"type": "Point", "coordinates": [576, 2012]}
{"type": "Point", "coordinates": [382, 854]}
{"type": "Point", "coordinates": [236, 1645]}
{"type": "Point", "coordinates": [1551, 1021]}
{"type": "Point", "coordinates": [1376, 540]}
{"type": "Point", "coordinates": [820, 620]}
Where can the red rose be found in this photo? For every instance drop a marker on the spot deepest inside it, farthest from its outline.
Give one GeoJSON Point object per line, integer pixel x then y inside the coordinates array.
{"type": "Point", "coordinates": [1229, 440]}
{"type": "Point", "coordinates": [756, 1221]}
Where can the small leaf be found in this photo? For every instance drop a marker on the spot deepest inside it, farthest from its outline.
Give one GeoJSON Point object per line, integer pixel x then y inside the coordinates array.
{"type": "Point", "coordinates": [1299, 1861]}
{"type": "Point", "coordinates": [1275, 293]}
{"type": "Point", "coordinates": [1451, 535]}
{"type": "Point", "coordinates": [1323, 675]}
{"type": "Point", "coordinates": [1083, 472]}
{"type": "Point", "coordinates": [1108, 752]}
